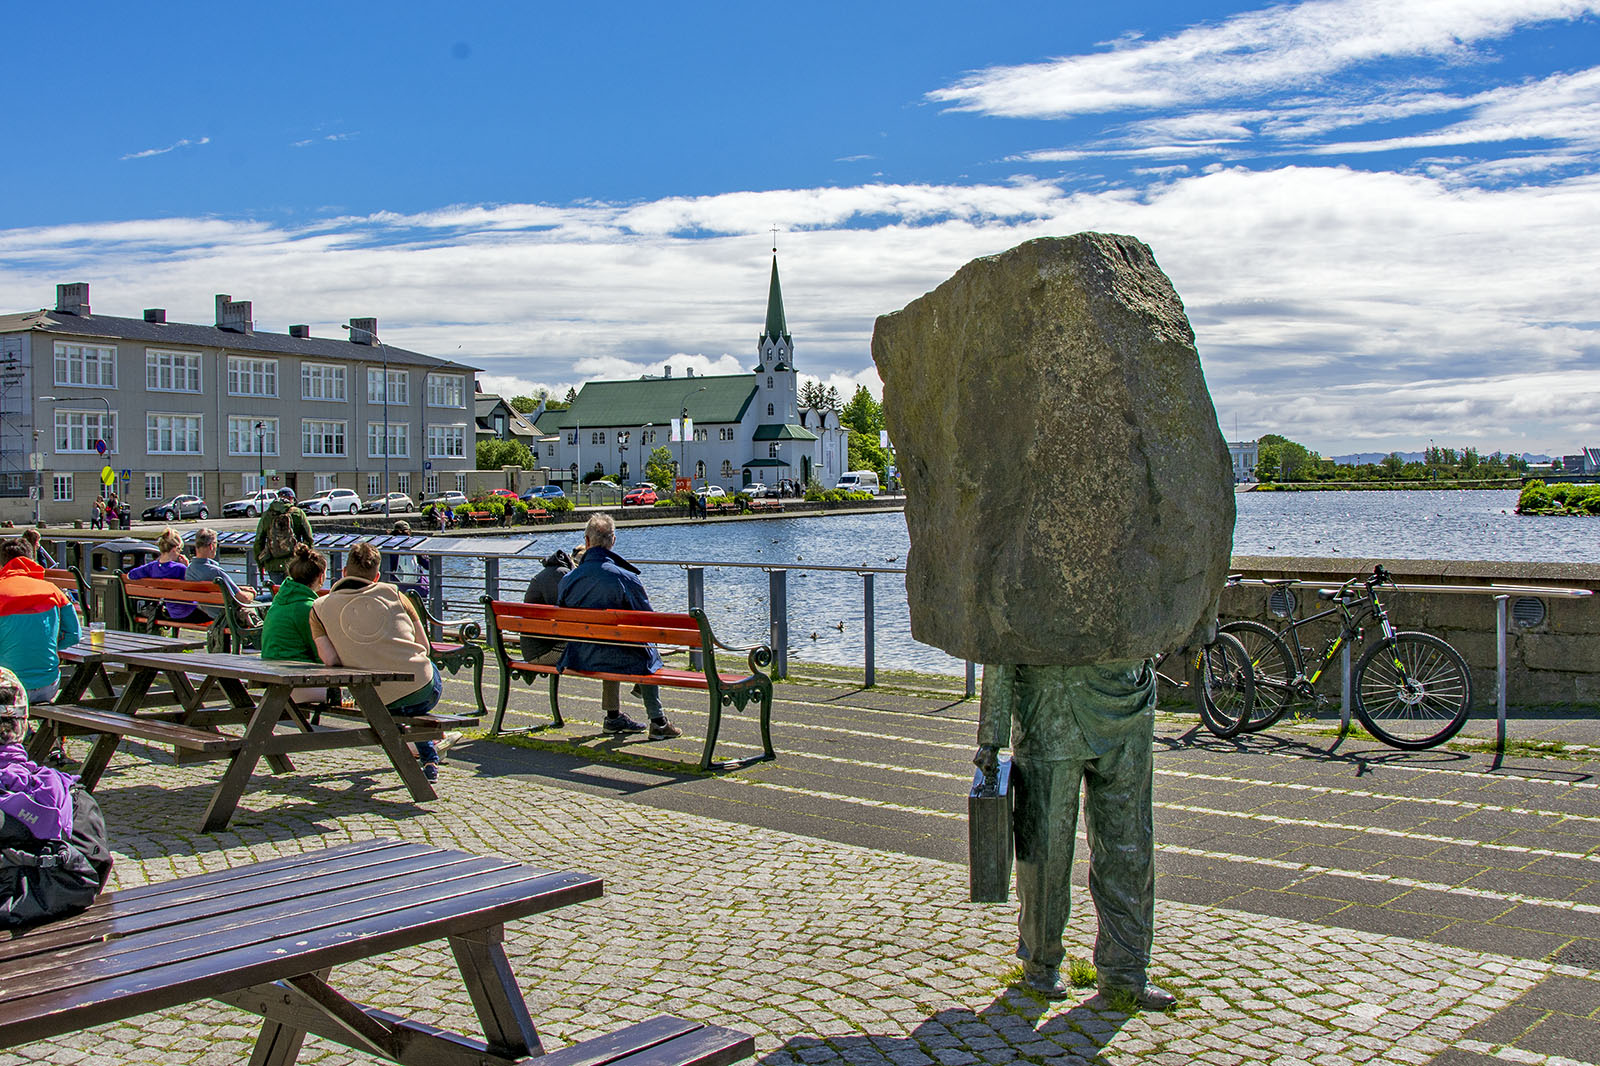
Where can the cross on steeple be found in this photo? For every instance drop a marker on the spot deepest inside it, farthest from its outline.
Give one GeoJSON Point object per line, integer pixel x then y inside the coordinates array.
{"type": "Point", "coordinates": [774, 240]}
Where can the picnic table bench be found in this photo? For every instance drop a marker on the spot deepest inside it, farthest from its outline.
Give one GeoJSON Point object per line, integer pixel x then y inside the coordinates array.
{"type": "Point", "coordinates": [632, 628]}
{"type": "Point", "coordinates": [194, 728]}
{"type": "Point", "coordinates": [538, 514]}
{"type": "Point", "coordinates": [264, 937]}
{"type": "Point", "coordinates": [482, 518]}
{"type": "Point", "coordinates": [765, 503]}
{"type": "Point", "coordinates": [133, 595]}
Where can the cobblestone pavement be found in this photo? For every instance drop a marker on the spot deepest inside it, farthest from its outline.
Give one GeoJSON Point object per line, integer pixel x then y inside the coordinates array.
{"type": "Point", "coordinates": [817, 901]}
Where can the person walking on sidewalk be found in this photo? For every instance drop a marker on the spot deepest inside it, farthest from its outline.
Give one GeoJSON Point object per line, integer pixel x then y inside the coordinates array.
{"type": "Point", "coordinates": [282, 526]}
{"type": "Point", "coordinates": [605, 580]}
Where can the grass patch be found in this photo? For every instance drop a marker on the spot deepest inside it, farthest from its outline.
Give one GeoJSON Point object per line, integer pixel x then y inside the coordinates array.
{"type": "Point", "coordinates": [1080, 972]}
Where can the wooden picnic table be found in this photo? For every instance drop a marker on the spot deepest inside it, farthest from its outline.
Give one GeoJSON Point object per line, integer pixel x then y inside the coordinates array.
{"type": "Point", "coordinates": [263, 937]}
{"type": "Point", "coordinates": [194, 726]}
{"type": "Point", "coordinates": [88, 660]}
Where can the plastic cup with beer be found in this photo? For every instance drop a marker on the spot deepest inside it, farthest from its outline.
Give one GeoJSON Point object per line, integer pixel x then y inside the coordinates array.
{"type": "Point", "coordinates": [97, 634]}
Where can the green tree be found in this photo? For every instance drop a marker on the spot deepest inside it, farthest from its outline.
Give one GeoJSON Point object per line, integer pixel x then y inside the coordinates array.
{"type": "Point", "coordinates": [863, 415]}
{"type": "Point", "coordinates": [658, 468]}
{"type": "Point", "coordinates": [493, 454]}
{"type": "Point", "coordinates": [867, 454]}
{"type": "Point", "coordinates": [1281, 459]}
{"type": "Point", "coordinates": [817, 396]}
{"type": "Point", "coordinates": [524, 404]}
{"type": "Point", "coordinates": [1393, 464]}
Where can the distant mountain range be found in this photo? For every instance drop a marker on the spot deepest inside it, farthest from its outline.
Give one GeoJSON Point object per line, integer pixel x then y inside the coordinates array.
{"type": "Point", "coordinates": [1360, 458]}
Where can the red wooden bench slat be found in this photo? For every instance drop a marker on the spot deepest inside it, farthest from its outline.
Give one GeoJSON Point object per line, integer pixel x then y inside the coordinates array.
{"type": "Point", "coordinates": [173, 590]}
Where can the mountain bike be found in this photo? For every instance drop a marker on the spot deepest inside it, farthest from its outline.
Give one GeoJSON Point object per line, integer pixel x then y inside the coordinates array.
{"type": "Point", "coordinates": [1411, 690]}
{"type": "Point", "coordinates": [1227, 692]}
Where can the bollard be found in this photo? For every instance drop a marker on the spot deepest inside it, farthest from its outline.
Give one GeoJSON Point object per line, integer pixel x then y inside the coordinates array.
{"type": "Point", "coordinates": [491, 577]}
{"type": "Point", "coordinates": [436, 591]}
{"type": "Point", "coordinates": [1500, 603]}
{"type": "Point", "coordinates": [778, 586]}
{"type": "Point", "coordinates": [697, 602]}
{"type": "Point", "coordinates": [871, 672]}
{"type": "Point", "coordinates": [1344, 691]}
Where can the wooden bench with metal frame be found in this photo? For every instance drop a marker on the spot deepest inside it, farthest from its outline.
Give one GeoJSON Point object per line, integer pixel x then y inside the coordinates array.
{"type": "Point", "coordinates": [453, 655]}
{"type": "Point", "coordinates": [69, 579]}
{"type": "Point", "coordinates": [131, 591]}
{"type": "Point", "coordinates": [631, 629]}
{"type": "Point", "coordinates": [265, 937]}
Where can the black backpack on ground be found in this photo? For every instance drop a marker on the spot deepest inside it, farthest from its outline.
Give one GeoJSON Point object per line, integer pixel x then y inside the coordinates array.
{"type": "Point", "coordinates": [45, 879]}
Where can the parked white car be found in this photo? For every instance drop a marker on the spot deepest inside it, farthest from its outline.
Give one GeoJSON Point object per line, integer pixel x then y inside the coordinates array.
{"type": "Point", "coordinates": [710, 492]}
{"type": "Point", "coordinates": [333, 500]}
{"type": "Point", "coordinates": [251, 505]}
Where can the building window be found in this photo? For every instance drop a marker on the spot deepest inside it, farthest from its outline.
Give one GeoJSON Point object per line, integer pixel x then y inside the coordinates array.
{"type": "Point", "coordinates": [772, 451]}
{"type": "Point", "coordinates": [769, 382]}
{"type": "Point", "coordinates": [447, 390]}
{"type": "Point", "coordinates": [88, 365]}
{"type": "Point", "coordinates": [320, 437]}
{"type": "Point", "coordinates": [252, 377]}
{"type": "Point", "coordinates": [324, 483]}
{"type": "Point", "coordinates": [550, 450]}
{"type": "Point", "coordinates": [572, 438]}
{"type": "Point", "coordinates": [152, 486]}
{"type": "Point", "coordinates": [61, 485]}
{"type": "Point", "coordinates": [597, 438]}
{"type": "Point", "coordinates": [171, 371]}
{"type": "Point", "coordinates": [172, 434]}
{"type": "Point", "coordinates": [447, 442]}
{"type": "Point", "coordinates": [399, 440]}
{"type": "Point", "coordinates": [430, 485]}
{"type": "Point", "coordinates": [461, 482]}
{"type": "Point", "coordinates": [404, 483]}
{"type": "Point", "coordinates": [197, 485]}
{"type": "Point", "coordinates": [399, 385]}
{"type": "Point", "coordinates": [76, 431]}
{"type": "Point", "coordinates": [372, 484]}
{"type": "Point", "coordinates": [769, 410]}
{"type": "Point", "coordinates": [321, 381]}
{"type": "Point", "coordinates": [242, 435]}
{"type": "Point", "coordinates": [700, 434]}
{"type": "Point", "coordinates": [727, 468]}
{"type": "Point", "coordinates": [700, 469]}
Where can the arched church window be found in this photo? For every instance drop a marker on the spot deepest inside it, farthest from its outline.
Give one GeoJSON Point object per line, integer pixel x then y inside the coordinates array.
{"type": "Point", "coordinates": [769, 410]}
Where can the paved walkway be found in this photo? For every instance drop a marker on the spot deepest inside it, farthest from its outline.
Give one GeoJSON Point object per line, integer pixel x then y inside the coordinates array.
{"type": "Point", "coordinates": [1307, 900]}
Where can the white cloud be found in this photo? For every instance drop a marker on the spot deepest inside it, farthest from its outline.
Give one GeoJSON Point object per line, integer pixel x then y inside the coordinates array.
{"type": "Point", "coordinates": [1280, 48]}
{"type": "Point", "coordinates": [1339, 306]}
{"type": "Point", "coordinates": [185, 143]}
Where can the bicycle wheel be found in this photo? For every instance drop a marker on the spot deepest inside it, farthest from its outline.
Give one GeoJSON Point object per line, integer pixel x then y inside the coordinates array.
{"type": "Point", "coordinates": [1229, 693]}
{"type": "Point", "coordinates": [1413, 691]}
{"type": "Point", "coordinates": [1274, 672]}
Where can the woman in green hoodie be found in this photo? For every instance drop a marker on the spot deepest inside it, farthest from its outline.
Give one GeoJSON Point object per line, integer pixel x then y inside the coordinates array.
{"type": "Point", "coordinates": [286, 633]}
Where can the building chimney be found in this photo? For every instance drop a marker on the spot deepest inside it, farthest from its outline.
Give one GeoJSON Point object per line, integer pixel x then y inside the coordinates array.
{"type": "Point", "coordinates": [234, 315]}
{"type": "Point", "coordinates": [300, 331]}
{"type": "Point", "coordinates": [364, 331]}
{"type": "Point", "coordinates": [688, 372]}
{"type": "Point", "coordinates": [155, 314]}
{"type": "Point", "coordinates": [669, 370]}
{"type": "Point", "coordinates": [73, 298]}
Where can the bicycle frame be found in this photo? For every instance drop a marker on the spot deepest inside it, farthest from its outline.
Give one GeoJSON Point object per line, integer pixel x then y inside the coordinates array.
{"type": "Point", "coordinates": [1354, 615]}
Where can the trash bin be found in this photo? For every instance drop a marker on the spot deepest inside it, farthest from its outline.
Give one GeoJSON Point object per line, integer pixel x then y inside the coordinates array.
{"type": "Point", "coordinates": [126, 518]}
{"type": "Point", "coordinates": [124, 553]}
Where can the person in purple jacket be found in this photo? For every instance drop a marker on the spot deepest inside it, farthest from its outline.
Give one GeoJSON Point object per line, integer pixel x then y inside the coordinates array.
{"type": "Point", "coordinates": [169, 564]}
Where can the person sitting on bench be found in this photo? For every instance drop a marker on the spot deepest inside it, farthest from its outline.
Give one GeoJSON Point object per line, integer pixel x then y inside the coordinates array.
{"type": "Point", "coordinates": [36, 619]}
{"type": "Point", "coordinates": [169, 564]}
{"type": "Point", "coordinates": [607, 581]}
{"type": "Point", "coordinates": [204, 567]}
{"type": "Point", "coordinates": [366, 623]}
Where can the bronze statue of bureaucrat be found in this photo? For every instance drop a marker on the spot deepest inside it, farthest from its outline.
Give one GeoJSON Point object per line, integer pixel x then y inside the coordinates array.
{"type": "Point", "coordinates": [1070, 503]}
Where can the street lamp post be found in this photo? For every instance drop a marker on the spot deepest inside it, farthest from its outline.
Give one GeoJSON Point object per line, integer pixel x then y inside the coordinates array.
{"type": "Point", "coordinates": [622, 457]}
{"type": "Point", "coordinates": [384, 351]}
{"type": "Point", "coordinates": [643, 476]}
{"type": "Point", "coordinates": [683, 430]}
{"type": "Point", "coordinates": [66, 399]}
{"type": "Point", "coordinates": [261, 462]}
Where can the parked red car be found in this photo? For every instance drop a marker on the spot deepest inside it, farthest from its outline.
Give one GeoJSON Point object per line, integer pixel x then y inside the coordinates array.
{"type": "Point", "coordinates": [639, 497]}
{"type": "Point", "coordinates": [504, 494]}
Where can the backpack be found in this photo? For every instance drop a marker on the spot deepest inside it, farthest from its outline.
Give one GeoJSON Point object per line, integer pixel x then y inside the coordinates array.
{"type": "Point", "coordinates": [45, 879]}
{"type": "Point", "coordinates": [280, 536]}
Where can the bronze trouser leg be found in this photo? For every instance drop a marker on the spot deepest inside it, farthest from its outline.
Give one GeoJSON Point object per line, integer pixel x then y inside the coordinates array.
{"type": "Point", "coordinates": [1117, 809]}
{"type": "Point", "coordinates": [1045, 821]}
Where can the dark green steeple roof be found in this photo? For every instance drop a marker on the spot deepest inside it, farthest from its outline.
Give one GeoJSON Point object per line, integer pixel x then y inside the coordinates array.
{"type": "Point", "coordinates": [776, 326]}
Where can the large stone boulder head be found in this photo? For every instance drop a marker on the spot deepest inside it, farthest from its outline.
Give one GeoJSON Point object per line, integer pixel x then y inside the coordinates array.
{"type": "Point", "coordinates": [1068, 492]}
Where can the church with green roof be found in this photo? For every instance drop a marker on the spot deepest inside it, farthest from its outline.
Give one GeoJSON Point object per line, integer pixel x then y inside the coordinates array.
{"type": "Point", "coordinates": [742, 429]}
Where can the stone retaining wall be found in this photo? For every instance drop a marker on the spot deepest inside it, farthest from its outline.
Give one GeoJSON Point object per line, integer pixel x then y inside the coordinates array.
{"type": "Point", "coordinates": [1556, 661]}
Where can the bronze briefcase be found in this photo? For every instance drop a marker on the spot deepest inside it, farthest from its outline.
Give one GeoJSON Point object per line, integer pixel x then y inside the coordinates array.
{"type": "Point", "coordinates": [989, 845]}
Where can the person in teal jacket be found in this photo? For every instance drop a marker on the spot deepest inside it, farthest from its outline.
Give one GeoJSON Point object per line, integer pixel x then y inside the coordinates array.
{"type": "Point", "coordinates": [36, 620]}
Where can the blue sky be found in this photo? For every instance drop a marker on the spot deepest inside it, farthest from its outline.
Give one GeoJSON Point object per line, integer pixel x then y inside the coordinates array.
{"type": "Point", "coordinates": [1380, 216]}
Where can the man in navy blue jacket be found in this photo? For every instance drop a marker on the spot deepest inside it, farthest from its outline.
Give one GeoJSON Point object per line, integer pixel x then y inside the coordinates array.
{"type": "Point", "coordinates": [605, 580]}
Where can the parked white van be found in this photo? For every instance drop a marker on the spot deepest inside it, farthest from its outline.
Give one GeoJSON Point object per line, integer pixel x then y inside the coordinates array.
{"type": "Point", "coordinates": [859, 481]}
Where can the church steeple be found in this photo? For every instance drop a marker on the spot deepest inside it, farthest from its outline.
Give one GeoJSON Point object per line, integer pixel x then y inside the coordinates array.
{"type": "Point", "coordinates": [776, 326]}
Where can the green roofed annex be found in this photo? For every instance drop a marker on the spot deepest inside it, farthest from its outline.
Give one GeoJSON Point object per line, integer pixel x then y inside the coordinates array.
{"type": "Point", "coordinates": [730, 430]}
